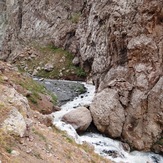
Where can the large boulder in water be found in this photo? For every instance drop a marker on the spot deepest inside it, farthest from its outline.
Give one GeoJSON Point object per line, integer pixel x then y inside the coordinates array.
{"type": "Point", "coordinates": [108, 113]}
{"type": "Point", "coordinates": [79, 118]}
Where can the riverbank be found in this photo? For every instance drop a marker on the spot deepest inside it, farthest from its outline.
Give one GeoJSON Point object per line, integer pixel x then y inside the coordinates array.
{"type": "Point", "coordinates": [26, 134]}
{"type": "Point", "coordinates": [64, 90]}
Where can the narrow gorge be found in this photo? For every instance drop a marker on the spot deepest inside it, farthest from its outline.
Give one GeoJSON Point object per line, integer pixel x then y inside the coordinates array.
{"type": "Point", "coordinates": [115, 45]}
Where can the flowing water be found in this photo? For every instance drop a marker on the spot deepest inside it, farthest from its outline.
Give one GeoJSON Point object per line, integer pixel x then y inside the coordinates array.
{"type": "Point", "coordinates": [103, 145]}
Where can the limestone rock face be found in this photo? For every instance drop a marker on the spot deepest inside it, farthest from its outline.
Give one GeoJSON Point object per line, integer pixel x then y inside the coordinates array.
{"type": "Point", "coordinates": [15, 123]}
{"type": "Point", "coordinates": [10, 97]}
{"type": "Point", "coordinates": [41, 23]}
{"type": "Point", "coordinates": [120, 42]}
{"type": "Point", "coordinates": [79, 118]}
{"type": "Point", "coordinates": [15, 111]}
{"type": "Point", "coordinates": [2, 21]}
{"type": "Point", "coordinates": [145, 123]}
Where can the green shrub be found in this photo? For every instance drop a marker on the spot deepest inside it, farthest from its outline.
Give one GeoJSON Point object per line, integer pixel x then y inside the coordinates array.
{"type": "Point", "coordinates": [75, 17]}
{"type": "Point", "coordinates": [80, 72]}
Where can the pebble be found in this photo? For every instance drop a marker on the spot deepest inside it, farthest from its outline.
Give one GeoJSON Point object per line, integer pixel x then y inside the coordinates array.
{"type": "Point", "coordinates": [15, 153]}
{"type": "Point", "coordinates": [41, 79]}
{"type": "Point", "coordinates": [31, 138]}
{"type": "Point", "coordinates": [5, 78]}
{"type": "Point", "coordinates": [29, 150]}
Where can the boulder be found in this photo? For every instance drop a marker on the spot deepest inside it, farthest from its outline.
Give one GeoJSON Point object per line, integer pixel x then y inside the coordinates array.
{"type": "Point", "coordinates": [43, 119]}
{"type": "Point", "coordinates": [108, 113]}
{"type": "Point", "coordinates": [15, 123]}
{"type": "Point", "coordinates": [48, 67]}
{"type": "Point", "coordinates": [11, 98]}
{"type": "Point", "coordinates": [79, 118]}
{"type": "Point", "coordinates": [14, 109]}
{"type": "Point", "coordinates": [76, 61]}
{"type": "Point", "coordinates": [47, 105]}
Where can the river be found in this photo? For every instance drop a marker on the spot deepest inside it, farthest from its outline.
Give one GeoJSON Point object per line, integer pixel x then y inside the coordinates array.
{"type": "Point", "coordinates": [103, 145]}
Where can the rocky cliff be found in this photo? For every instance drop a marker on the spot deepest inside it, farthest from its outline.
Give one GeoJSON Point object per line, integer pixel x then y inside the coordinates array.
{"type": "Point", "coordinates": [119, 42]}
{"type": "Point", "coordinates": [124, 41]}
{"type": "Point", "coordinates": [2, 21]}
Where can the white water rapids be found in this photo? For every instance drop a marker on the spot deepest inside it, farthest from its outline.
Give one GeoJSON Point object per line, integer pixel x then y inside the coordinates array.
{"type": "Point", "coordinates": [103, 145]}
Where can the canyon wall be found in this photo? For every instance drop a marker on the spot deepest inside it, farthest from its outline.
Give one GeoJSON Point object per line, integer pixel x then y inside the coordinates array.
{"type": "Point", "coordinates": [123, 40]}
{"type": "Point", "coordinates": [33, 22]}
{"type": "Point", "coordinates": [120, 42]}
{"type": "Point", "coordinates": [2, 21]}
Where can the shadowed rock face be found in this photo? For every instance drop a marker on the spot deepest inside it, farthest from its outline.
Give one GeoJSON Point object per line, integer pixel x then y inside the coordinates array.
{"type": "Point", "coordinates": [2, 21]}
{"type": "Point", "coordinates": [121, 42]}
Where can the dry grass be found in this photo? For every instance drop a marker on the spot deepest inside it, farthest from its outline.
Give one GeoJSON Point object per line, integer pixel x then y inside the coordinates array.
{"type": "Point", "coordinates": [6, 142]}
{"type": "Point", "coordinates": [3, 112]}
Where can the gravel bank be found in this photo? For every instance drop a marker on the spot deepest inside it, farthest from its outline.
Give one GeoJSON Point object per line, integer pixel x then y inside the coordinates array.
{"type": "Point", "coordinates": [64, 90]}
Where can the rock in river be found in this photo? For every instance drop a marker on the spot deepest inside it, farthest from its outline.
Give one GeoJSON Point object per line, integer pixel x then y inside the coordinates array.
{"type": "Point", "coordinates": [79, 118]}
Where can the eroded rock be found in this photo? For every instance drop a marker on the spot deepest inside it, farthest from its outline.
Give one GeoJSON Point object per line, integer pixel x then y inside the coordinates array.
{"type": "Point", "coordinates": [123, 42]}
{"type": "Point", "coordinates": [108, 114]}
{"type": "Point", "coordinates": [48, 67]}
{"type": "Point", "coordinates": [15, 111]}
{"type": "Point", "coordinates": [15, 123]}
{"type": "Point", "coordinates": [10, 97]}
{"type": "Point", "coordinates": [80, 118]}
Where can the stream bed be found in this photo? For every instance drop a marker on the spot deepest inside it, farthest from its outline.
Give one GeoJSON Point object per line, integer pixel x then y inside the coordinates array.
{"type": "Point", "coordinates": [103, 145]}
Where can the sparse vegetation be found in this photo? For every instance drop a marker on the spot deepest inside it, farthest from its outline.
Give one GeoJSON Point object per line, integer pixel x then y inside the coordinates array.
{"type": "Point", "coordinates": [33, 87]}
{"type": "Point", "coordinates": [32, 99]}
{"type": "Point", "coordinates": [160, 141]}
{"type": "Point", "coordinates": [82, 89]}
{"type": "Point", "coordinates": [80, 72]}
{"type": "Point", "coordinates": [2, 138]}
{"type": "Point", "coordinates": [41, 136]}
{"type": "Point", "coordinates": [75, 17]}
{"type": "Point", "coordinates": [1, 80]}
{"type": "Point", "coordinates": [68, 139]}
{"type": "Point", "coordinates": [3, 111]}
{"type": "Point", "coordinates": [36, 89]}
{"type": "Point", "coordinates": [9, 150]}
{"type": "Point", "coordinates": [54, 98]}
{"type": "Point", "coordinates": [37, 155]}
{"type": "Point", "coordinates": [6, 142]}
{"type": "Point", "coordinates": [61, 60]}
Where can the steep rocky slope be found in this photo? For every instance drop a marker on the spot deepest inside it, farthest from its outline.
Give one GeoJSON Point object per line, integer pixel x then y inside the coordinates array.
{"type": "Point", "coordinates": [119, 42]}
{"type": "Point", "coordinates": [24, 132]}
